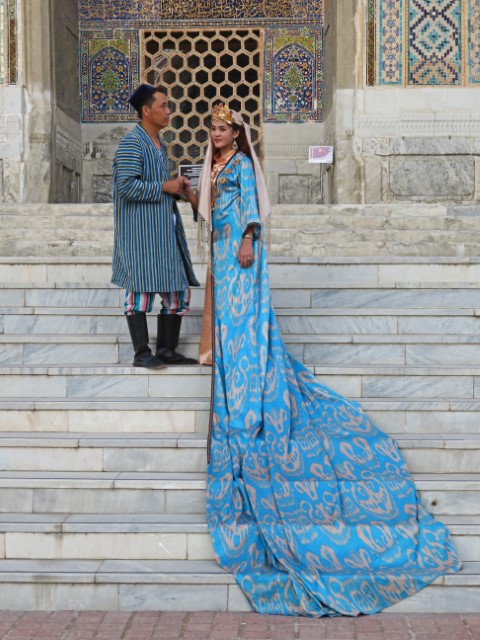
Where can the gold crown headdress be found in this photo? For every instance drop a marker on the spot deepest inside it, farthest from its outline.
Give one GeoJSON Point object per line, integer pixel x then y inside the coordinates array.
{"type": "Point", "coordinates": [222, 112]}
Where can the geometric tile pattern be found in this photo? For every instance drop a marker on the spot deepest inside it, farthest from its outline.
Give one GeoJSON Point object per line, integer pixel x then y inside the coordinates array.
{"type": "Point", "coordinates": [474, 41]}
{"type": "Point", "coordinates": [293, 75]}
{"type": "Point", "coordinates": [198, 67]}
{"type": "Point", "coordinates": [109, 73]}
{"type": "Point", "coordinates": [423, 42]}
{"type": "Point", "coordinates": [434, 35]}
{"type": "Point", "coordinates": [390, 31]}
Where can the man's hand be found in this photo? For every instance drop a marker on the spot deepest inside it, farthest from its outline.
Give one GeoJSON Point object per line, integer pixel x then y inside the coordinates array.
{"type": "Point", "coordinates": [190, 194]}
{"type": "Point", "coordinates": [174, 187]}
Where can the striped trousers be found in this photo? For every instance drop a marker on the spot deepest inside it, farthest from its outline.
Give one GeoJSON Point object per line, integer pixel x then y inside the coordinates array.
{"type": "Point", "coordinates": [173, 302]}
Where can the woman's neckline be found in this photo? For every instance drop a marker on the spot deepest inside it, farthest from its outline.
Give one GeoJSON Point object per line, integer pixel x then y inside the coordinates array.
{"type": "Point", "coordinates": [218, 168]}
{"type": "Point", "coordinates": [222, 161]}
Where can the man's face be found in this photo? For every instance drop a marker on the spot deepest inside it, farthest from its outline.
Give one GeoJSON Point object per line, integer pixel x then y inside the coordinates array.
{"type": "Point", "coordinates": [159, 112]}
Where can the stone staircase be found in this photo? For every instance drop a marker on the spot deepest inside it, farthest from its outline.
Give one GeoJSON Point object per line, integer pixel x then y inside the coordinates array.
{"type": "Point", "coordinates": [400, 229]}
{"type": "Point", "coordinates": [102, 466]}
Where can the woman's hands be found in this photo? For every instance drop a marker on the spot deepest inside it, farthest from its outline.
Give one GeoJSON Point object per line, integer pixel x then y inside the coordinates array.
{"type": "Point", "coordinates": [174, 187]}
{"type": "Point", "coordinates": [246, 256]}
{"type": "Point", "coordinates": [190, 195]}
{"type": "Point", "coordinates": [181, 187]}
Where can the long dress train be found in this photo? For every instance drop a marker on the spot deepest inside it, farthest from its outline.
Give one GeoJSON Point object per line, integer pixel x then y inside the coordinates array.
{"type": "Point", "coordinates": [309, 505]}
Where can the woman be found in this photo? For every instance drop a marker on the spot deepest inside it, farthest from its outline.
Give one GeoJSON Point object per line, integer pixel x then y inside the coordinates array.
{"type": "Point", "coordinates": [308, 503]}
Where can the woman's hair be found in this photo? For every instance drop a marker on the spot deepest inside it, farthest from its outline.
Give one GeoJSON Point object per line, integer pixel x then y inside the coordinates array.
{"type": "Point", "coordinates": [242, 141]}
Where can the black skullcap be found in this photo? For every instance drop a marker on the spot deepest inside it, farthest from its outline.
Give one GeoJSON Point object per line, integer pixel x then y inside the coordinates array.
{"type": "Point", "coordinates": [141, 95]}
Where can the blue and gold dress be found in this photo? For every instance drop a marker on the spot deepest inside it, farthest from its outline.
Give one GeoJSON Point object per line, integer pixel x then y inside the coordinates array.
{"type": "Point", "coordinates": [309, 505]}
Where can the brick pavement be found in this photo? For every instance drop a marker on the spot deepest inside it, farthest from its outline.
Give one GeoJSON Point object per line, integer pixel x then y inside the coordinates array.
{"type": "Point", "coordinates": [94, 625]}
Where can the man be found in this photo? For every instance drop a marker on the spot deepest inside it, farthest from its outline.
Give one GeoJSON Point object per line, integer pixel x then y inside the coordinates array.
{"type": "Point", "coordinates": [150, 252]}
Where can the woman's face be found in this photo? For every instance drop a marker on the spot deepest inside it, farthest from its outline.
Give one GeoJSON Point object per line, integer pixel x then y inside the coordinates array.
{"type": "Point", "coordinates": [222, 135]}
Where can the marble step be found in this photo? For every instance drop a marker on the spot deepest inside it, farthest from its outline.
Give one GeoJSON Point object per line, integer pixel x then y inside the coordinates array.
{"type": "Point", "coordinates": [354, 349]}
{"type": "Point", "coordinates": [101, 234]}
{"type": "Point", "coordinates": [146, 537]}
{"type": "Point", "coordinates": [29, 210]}
{"type": "Point", "coordinates": [112, 492]}
{"type": "Point", "coordinates": [308, 230]}
{"type": "Point", "coordinates": [78, 349]}
{"type": "Point", "coordinates": [55, 249]}
{"type": "Point", "coordinates": [315, 230]}
{"type": "Point", "coordinates": [286, 270]}
{"type": "Point", "coordinates": [108, 321]}
{"type": "Point", "coordinates": [315, 294]}
{"type": "Point", "coordinates": [329, 241]}
{"type": "Point", "coordinates": [166, 585]}
{"type": "Point", "coordinates": [76, 214]}
{"type": "Point", "coordinates": [83, 383]}
{"type": "Point", "coordinates": [327, 229]}
{"type": "Point", "coordinates": [301, 217]}
{"type": "Point", "coordinates": [446, 246]}
{"type": "Point", "coordinates": [413, 209]}
{"type": "Point", "coordinates": [378, 215]}
{"type": "Point", "coordinates": [170, 452]}
{"type": "Point", "coordinates": [428, 350]}
{"type": "Point", "coordinates": [118, 536]}
{"type": "Point", "coordinates": [112, 415]}
{"type": "Point", "coordinates": [126, 415]}
{"type": "Point", "coordinates": [83, 248]}
{"type": "Point", "coordinates": [281, 244]}
{"type": "Point", "coordinates": [310, 302]}
{"type": "Point", "coordinates": [15, 224]}
{"type": "Point", "coordinates": [455, 296]}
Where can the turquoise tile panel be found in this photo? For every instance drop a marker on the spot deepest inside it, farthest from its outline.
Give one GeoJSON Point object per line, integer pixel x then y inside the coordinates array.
{"type": "Point", "coordinates": [435, 42]}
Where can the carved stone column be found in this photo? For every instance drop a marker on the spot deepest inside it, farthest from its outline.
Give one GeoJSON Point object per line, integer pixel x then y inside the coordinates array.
{"type": "Point", "coordinates": [44, 122]}
{"type": "Point", "coordinates": [38, 108]}
{"type": "Point", "coordinates": [349, 54]}
{"type": "Point", "coordinates": [12, 103]}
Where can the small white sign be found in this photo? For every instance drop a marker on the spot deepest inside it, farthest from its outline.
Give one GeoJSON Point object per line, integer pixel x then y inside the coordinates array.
{"type": "Point", "coordinates": [319, 155]}
{"type": "Point", "coordinates": [192, 172]}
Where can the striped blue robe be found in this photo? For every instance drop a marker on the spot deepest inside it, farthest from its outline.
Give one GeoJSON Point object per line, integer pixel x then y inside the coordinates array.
{"type": "Point", "coordinates": [150, 250]}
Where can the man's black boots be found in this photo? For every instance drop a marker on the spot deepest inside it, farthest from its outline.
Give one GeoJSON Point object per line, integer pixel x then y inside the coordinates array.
{"type": "Point", "coordinates": [168, 334]}
{"type": "Point", "coordinates": [137, 325]}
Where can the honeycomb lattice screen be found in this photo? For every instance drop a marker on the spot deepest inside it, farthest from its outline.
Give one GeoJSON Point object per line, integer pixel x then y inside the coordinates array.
{"type": "Point", "coordinates": [199, 67]}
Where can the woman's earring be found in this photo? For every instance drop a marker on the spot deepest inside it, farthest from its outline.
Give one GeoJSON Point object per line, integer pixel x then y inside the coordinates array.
{"type": "Point", "coordinates": [234, 145]}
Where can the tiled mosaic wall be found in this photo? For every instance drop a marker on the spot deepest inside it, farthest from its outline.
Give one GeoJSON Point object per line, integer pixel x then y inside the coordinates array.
{"type": "Point", "coordinates": [112, 37]}
{"type": "Point", "coordinates": [474, 41]}
{"type": "Point", "coordinates": [423, 42]}
{"type": "Point", "coordinates": [109, 73]}
{"type": "Point", "coordinates": [293, 75]}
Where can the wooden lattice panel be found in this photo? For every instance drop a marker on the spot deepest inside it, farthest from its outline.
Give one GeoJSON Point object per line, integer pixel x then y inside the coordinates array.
{"type": "Point", "coordinates": [200, 67]}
